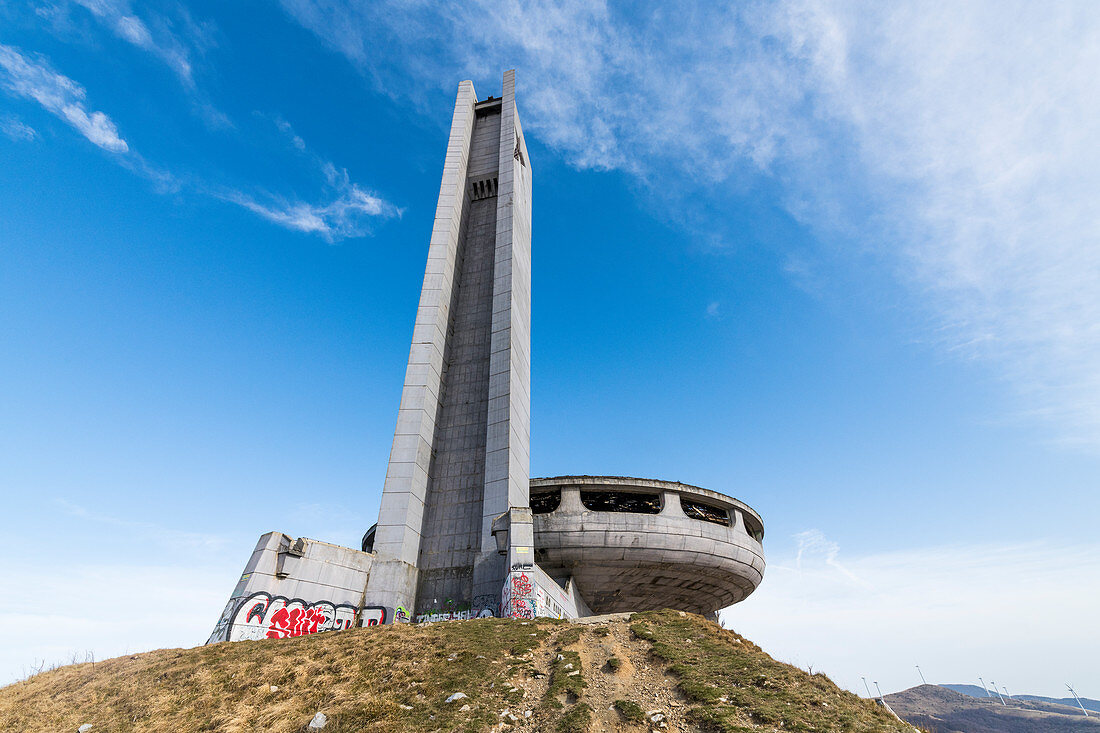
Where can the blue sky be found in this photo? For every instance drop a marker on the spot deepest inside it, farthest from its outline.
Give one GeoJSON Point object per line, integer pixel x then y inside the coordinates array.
{"type": "Point", "coordinates": [836, 259]}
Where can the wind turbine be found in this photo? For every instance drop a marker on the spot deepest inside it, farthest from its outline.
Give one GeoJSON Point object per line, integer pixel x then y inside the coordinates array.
{"type": "Point", "coordinates": [1071, 691]}
{"type": "Point", "coordinates": [994, 686]}
{"type": "Point", "coordinates": [923, 681]}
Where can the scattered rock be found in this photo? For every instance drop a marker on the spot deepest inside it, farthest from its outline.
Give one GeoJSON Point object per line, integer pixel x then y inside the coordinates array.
{"type": "Point", "coordinates": [456, 696]}
{"type": "Point", "coordinates": [84, 728]}
{"type": "Point", "coordinates": [319, 721]}
{"type": "Point", "coordinates": [656, 718]}
{"type": "Point", "coordinates": [405, 707]}
{"type": "Point", "coordinates": [274, 688]}
{"type": "Point", "coordinates": [464, 708]}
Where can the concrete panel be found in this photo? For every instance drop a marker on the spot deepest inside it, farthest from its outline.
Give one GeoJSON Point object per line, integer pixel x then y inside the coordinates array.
{"type": "Point", "coordinates": [323, 591]}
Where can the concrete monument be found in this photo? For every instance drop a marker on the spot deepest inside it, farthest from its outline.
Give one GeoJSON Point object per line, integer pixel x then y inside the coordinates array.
{"type": "Point", "coordinates": [463, 531]}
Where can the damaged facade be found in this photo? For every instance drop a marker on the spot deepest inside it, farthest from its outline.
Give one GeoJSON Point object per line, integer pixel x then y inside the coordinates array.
{"type": "Point", "coordinates": [463, 531]}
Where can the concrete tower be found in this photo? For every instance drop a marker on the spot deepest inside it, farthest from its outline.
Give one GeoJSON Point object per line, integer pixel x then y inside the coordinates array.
{"type": "Point", "coordinates": [460, 457]}
{"type": "Point", "coordinates": [463, 531]}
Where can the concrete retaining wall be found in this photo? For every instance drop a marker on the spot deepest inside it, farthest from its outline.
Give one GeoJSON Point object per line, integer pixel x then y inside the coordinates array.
{"type": "Point", "coordinates": [294, 587]}
{"type": "Point", "coordinates": [530, 592]}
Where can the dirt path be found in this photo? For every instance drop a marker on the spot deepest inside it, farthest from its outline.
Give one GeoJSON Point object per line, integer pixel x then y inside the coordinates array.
{"type": "Point", "coordinates": [636, 672]}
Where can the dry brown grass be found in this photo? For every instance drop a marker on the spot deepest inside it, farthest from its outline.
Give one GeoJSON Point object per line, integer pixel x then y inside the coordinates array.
{"type": "Point", "coordinates": [360, 679]}
{"type": "Point", "coordinates": [396, 678]}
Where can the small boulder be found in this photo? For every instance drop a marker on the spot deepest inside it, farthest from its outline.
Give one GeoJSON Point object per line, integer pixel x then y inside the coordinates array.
{"type": "Point", "coordinates": [456, 696]}
{"type": "Point", "coordinates": [319, 721]}
{"type": "Point", "coordinates": [84, 728]}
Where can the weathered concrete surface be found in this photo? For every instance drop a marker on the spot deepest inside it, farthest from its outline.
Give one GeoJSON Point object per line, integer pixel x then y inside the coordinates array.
{"type": "Point", "coordinates": [292, 587]}
{"type": "Point", "coordinates": [457, 536]}
{"type": "Point", "coordinates": [623, 561]}
{"type": "Point", "coordinates": [460, 453]}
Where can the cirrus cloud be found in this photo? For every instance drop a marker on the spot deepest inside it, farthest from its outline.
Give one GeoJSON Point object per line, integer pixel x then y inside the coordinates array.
{"type": "Point", "coordinates": [59, 95]}
{"type": "Point", "coordinates": [954, 141]}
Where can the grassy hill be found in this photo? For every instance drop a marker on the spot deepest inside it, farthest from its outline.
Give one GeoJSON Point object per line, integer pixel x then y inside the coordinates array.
{"type": "Point", "coordinates": [662, 670]}
{"type": "Point", "coordinates": [975, 691]}
{"type": "Point", "coordinates": [943, 710]}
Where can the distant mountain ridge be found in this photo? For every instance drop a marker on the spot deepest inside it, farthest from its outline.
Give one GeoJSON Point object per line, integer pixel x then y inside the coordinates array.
{"type": "Point", "coordinates": [940, 709]}
{"type": "Point", "coordinates": [976, 691]}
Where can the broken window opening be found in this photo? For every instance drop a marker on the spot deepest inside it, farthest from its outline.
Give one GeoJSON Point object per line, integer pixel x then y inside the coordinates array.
{"type": "Point", "coordinates": [754, 528]}
{"type": "Point", "coordinates": [368, 538]}
{"type": "Point", "coordinates": [705, 512]}
{"type": "Point", "coordinates": [621, 501]}
{"type": "Point", "coordinates": [518, 155]}
{"type": "Point", "coordinates": [545, 502]}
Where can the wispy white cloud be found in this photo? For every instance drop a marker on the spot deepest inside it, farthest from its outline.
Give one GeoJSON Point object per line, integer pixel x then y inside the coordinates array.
{"type": "Point", "coordinates": [976, 124]}
{"type": "Point", "coordinates": [59, 95]}
{"type": "Point", "coordinates": [1006, 611]}
{"type": "Point", "coordinates": [167, 46]}
{"type": "Point", "coordinates": [347, 214]}
{"type": "Point", "coordinates": [16, 129]}
{"type": "Point", "coordinates": [287, 129]}
{"type": "Point", "coordinates": [961, 136]}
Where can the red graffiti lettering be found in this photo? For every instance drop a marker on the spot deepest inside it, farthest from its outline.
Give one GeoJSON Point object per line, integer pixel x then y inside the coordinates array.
{"type": "Point", "coordinates": [521, 585]}
{"type": "Point", "coordinates": [520, 609]}
{"type": "Point", "coordinates": [294, 622]}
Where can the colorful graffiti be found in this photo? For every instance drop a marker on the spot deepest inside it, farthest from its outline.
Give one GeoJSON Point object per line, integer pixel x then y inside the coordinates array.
{"type": "Point", "coordinates": [545, 606]}
{"type": "Point", "coordinates": [487, 602]}
{"type": "Point", "coordinates": [263, 616]}
{"type": "Point", "coordinates": [373, 615]}
{"type": "Point", "coordinates": [516, 599]}
{"type": "Point", "coordinates": [401, 615]}
{"type": "Point", "coordinates": [452, 611]}
{"type": "Point", "coordinates": [431, 617]}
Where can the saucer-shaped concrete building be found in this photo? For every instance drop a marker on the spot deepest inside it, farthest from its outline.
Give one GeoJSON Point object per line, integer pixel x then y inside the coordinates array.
{"type": "Point", "coordinates": [633, 544]}
{"type": "Point", "coordinates": [463, 531]}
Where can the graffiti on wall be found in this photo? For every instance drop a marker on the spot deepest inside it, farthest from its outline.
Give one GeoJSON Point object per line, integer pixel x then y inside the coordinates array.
{"type": "Point", "coordinates": [517, 599]}
{"type": "Point", "coordinates": [373, 616]}
{"type": "Point", "coordinates": [263, 616]}
{"type": "Point", "coordinates": [453, 611]}
{"type": "Point", "coordinates": [545, 606]}
{"type": "Point", "coordinates": [487, 603]}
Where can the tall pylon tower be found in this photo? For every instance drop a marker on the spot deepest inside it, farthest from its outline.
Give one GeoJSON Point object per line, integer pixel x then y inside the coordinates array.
{"type": "Point", "coordinates": [460, 459]}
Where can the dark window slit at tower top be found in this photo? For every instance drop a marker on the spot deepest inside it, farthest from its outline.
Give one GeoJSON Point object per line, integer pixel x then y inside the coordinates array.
{"type": "Point", "coordinates": [483, 189]}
